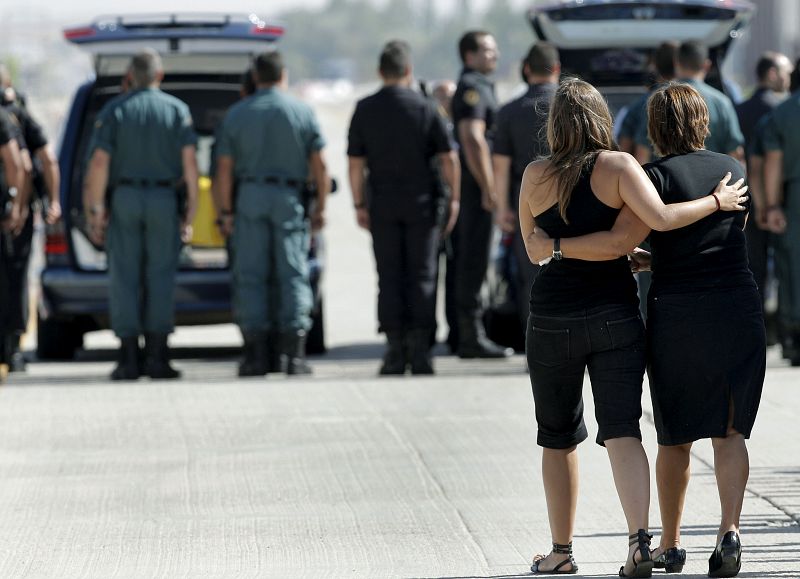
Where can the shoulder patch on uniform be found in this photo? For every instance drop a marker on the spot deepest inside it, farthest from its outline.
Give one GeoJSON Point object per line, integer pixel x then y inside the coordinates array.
{"type": "Point", "coordinates": [472, 97]}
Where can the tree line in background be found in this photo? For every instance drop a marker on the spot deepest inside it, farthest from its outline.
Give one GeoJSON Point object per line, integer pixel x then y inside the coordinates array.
{"type": "Point", "coordinates": [344, 38]}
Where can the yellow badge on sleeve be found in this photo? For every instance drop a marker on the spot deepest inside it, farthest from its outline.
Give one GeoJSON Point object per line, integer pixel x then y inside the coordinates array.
{"type": "Point", "coordinates": [472, 97]}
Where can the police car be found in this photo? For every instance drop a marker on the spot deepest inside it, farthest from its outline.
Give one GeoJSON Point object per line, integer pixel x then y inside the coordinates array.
{"type": "Point", "coordinates": [608, 43]}
{"type": "Point", "coordinates": [204, 58]}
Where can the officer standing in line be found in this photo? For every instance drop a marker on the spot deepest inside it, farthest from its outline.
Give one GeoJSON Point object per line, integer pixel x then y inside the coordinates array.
{"type": "Point", "coordinates": [143, 150]}
{"type": "Point", "coordinates": [773, 72]}
{"type": "Point", "coordinates": [474, 111]}
{"type": "Point", "coordinates": [521, 138]}
{"type": "Point", "coordinates": [394, 135]}
{"type": "Point", "coordinates": [781, 141]}
{"type": "Point", "coordinates": [41, 175]}
{"type": "Point", "coordinates": [13, 215]}
{"type": "Point", "coordinates": [267, 145]}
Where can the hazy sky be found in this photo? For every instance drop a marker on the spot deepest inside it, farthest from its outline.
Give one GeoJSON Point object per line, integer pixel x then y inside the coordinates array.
{"type": "Point", "coordinates": [76, 10]}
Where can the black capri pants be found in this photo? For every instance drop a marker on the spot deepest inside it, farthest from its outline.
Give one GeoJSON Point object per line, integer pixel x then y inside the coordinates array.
{"type": "Point", "coordinates": [609, 341]}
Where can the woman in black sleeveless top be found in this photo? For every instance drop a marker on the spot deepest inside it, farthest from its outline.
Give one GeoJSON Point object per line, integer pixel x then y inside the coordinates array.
{"type": "Point", "coordinates": [584, 315]}
{"type": "Point", "coordinates": [706, 338]}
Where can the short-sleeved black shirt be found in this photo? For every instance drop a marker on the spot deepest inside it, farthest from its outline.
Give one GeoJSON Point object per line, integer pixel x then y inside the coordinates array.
{"type": "Point", "coordinates": [708, 254]}
{"type": "Point", "coordinates": [751, 111]}
{"type": "Point", "coordinates": [474, 99]}
{"type": "Point", "coordinates": [521, 131]}
{"type": "Point", "coordinates": [398, 131]}
{"type": "Point", "coordinates": [31, 135]}
{"type": "Point", "coordinates": [6, 128]}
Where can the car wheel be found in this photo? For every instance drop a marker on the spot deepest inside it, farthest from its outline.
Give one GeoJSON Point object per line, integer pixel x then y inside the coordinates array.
{"type": "Point", "coordinates": [315, 343]}
{"type": "Point", "coordinates": [58, 340]}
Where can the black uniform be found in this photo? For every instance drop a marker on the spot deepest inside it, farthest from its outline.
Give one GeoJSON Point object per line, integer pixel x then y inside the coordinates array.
{"type": "Point", "coordinates": [521, 135]}
{"type": "Point", "coordinates": [398, 132]}
{"type": "Point", "coordinates": [474, 99]}
{"type": "Point", "coordinates": [750, 112]}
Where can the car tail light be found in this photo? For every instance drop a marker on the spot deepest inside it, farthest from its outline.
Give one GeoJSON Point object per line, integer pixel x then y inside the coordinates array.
{"type": "Point", "coordinates": [268, 30]}
{"type": "Point", "coordinates": [55, 244]}
{"type": "Point", "coordinates": [73, 33]}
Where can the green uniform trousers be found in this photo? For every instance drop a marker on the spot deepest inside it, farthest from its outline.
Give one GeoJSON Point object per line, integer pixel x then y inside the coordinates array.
{"type": "Point", "coordinates": [787, 261]}
{"type": "Point", "coordinates": [143, 246]}
{"type": "Point", "coordinates": [270, 241]}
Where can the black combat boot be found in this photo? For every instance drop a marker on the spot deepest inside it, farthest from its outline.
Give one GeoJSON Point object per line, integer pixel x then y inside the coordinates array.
{"type": "Point", "coordinates": [255, 361]}
{"type": "Point", "coordinates": [419, 352]}
{"type": "Point", "coordinates": [294, 353]}
{"type": "Point", "coordinates": [472, 340]}
{"type": "Point", "coordinates": [14, 358]}
{"type": "Point", "coordinates": [156, 363]}
{"type": "Point", "coordinates": [128, 360]}
{"type": "Point", "coordinates": [394, 359]}
{"type": "Point", "coordinates": [273, 352]}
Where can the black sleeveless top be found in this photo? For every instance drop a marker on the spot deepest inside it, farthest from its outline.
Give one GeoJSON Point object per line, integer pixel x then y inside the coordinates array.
{"type": "Point", "coordinates": [571, 286]}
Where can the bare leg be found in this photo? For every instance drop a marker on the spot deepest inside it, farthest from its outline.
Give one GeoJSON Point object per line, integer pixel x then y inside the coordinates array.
{"type": "Point", "coordinates": [732, 467]}
{"type": "Point", "coordinates": [672, 480]}
{"type": "Point", "coordinates": [632, 479]}
{"type": "Point", "coordinates": [560, 476]}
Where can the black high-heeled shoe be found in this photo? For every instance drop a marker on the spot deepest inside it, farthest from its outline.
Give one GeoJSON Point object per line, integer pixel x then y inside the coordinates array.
{"type": "Point", "coordinates": [672, 560]}
{"type": "Point", "coordinates": [726, 560]}
{"type": "Point", "coordinates": [557, 570]}
{"type": "Point", "coordinates": [643, 567]}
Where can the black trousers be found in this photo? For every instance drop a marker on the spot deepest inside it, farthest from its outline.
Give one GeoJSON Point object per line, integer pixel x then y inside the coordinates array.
{"type": "Point", "coordinates": [757, 247]}
{"type": "Point", "coordinates": [405, 240]}
{"type": "Point", "coordinates": [15, 254]}
{"type": "Point", "coordinates": [471, 247]}
{"type": "Point", "coordinates": [525, 274]}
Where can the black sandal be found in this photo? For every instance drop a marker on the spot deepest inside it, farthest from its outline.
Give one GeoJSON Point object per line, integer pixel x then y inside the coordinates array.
{"type": "Point", "coordinates": [726, 560]}
{"type": "Point", "coordinates": [672, 560]}
{"type": "Point", "coordinates": [644, 568]}
{"type": "Point", "coordinates": [563, 550]}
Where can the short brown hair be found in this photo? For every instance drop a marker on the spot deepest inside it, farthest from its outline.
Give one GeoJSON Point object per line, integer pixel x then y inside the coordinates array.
{"type": "Point", "coordinates": [677, 119]}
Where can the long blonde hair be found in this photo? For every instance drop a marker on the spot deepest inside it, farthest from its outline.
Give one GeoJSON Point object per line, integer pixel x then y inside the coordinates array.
{"type": "Point", "coordinates": [578, 127]}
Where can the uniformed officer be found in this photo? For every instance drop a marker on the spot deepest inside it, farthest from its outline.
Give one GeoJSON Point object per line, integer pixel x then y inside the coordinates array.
{"type": "Point", "coordinates": [13, 215]}
{"type": "Point", "coordinates": [142, 149]}
{"type": "Point", "coordinates": [725, 136]}
{"type": "Point", "coordinates": [41, 177]}
{"type": "Point", "coordinates": [519, 139]}
{"type": "Point", "coordinates": [781, 140]}
{"type": "Point", "coordinates": [474, 110]}
{"type": "Point", "coordinates": [267, 145]}
{"type": "Point", "coordinates": [394, 136]}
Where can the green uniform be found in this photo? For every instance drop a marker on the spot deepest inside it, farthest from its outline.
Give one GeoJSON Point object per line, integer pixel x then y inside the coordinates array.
{"type": "Point", "coordinates": [782, 133]}
{"type": "Point", "coordinates": [270, 137]}
{"type": "Point", "coordinates": [144, 132]}
{"type": "Point", "coordinates": [725, 136]}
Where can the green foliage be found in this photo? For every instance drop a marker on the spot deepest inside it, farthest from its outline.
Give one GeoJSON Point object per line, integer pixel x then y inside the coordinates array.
{"type": "Point", "coordinates": [344, 38]}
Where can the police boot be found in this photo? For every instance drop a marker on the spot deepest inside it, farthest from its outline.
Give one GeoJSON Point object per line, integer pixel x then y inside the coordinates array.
{"type": "Point", "coordinates": [128, 360]}
{"type": "Point", "coordinates": [419, 352]}
{"type": "Point", "coordinates": [273, 352]}
{"type": "Point", "coordinates": [394, 359]}
{"type": "Point", "coordinates": [294, 353]}
{"type": "Point", "coordinates": [156, 361]}
{"type": "Point", "coordinates": [473, 343]}
{"type": "Point", "coordinates": [14, 358]}
{"type": "Point", "coordinates": [255, 354]}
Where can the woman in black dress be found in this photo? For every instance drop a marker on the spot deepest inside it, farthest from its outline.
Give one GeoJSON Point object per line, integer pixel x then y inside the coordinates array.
{"type": "Point", "coordinates": [585, 315]}
{"type": "Point", "coordinates": [706, 338]}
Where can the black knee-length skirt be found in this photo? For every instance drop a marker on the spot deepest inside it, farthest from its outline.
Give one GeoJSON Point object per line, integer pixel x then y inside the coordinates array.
{"type": "Point", "coordinates": [706, 358]}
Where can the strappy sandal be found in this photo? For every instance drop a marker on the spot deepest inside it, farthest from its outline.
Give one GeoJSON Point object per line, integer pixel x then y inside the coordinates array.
{"type": "Point", "coordinates": [644, 567]}
{"type": "Point", "coordinates": [671, 560]}
{"type": "Point", "coordinates": [726, 560]}
{"type": "Point", "coordinates": [557, 570]}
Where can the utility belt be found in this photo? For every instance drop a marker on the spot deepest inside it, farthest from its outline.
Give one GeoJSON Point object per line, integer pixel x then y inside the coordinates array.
{"type": "Point", "coordinates": [147, 183]}
{"type": "Point", "coordinates": [178, 185]}
{"type": "Point", "coordinates": [273, 180]}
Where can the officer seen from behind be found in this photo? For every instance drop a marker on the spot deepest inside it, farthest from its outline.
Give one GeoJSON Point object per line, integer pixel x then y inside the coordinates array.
{"type": "Point", "coordinates": [474, 111]}
{"type": "Point", "coordinates": [521, 138]}
{"type": "Point", "coordinates": [395, 134]}
{"type": "Point", "coordinates": [143, 150]}
{"type": "Point", "coordinates": [267, 145]}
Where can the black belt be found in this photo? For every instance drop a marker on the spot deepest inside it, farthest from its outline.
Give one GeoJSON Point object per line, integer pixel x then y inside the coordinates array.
{"type": "Point", "coordinates": [145, 183]}
{"type": "Point", "coordinates": [294, 183]}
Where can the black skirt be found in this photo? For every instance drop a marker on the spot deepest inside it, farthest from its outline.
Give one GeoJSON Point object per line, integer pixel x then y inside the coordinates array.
{"type": "Point", "coordinates": [706, 351]}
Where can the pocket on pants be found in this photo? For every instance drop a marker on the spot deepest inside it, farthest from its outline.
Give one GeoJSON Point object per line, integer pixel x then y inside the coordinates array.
{"type": "Point", "coordinates": [550, 347]}
{"type": "Point", "coordinates": [626, 332]}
